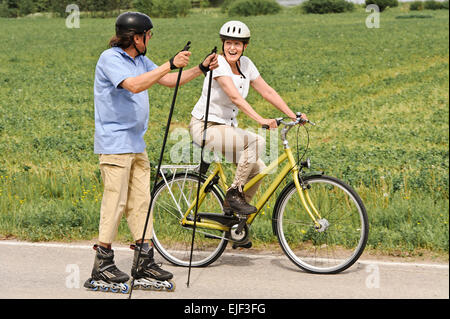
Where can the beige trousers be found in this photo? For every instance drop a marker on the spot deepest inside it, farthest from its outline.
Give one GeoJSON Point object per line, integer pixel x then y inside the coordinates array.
{"type": "Point", "coordinates": [126, 179]}
{"type": "Point", "coordinates": [238, 146]}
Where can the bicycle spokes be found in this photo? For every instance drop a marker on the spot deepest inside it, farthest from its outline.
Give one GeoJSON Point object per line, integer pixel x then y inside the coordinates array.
{"type": "Point", "coordinates": [331, 243]}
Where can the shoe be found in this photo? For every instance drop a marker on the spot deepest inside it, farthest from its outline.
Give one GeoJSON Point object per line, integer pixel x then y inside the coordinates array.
{"type": "Point", "coordinates": [235, 202]}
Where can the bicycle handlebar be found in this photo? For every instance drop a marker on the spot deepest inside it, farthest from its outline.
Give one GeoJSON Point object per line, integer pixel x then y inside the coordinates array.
{"type": "Point", "coordinates": [280, 120]}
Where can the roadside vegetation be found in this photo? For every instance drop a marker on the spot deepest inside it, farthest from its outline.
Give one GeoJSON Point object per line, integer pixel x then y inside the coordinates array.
{"type": "Point", "coordinates": [379, 98]}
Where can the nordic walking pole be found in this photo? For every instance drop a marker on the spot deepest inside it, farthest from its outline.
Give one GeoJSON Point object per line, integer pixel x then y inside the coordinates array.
{"type": "Point", "coordinates": [201, 162]}
{"type": "Point", "coordinates": [186, 48]}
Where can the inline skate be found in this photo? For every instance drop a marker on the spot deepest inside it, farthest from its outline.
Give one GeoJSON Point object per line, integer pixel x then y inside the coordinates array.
{"type": "Point", "coordinates": [105, 275]}
{"type": "Point", "coordinates": [148, 275]}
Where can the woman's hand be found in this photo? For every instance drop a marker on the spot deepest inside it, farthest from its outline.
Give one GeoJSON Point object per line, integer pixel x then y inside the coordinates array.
{"type": "Point", "coordinates": [304, 119]}
{"type": "Point", "coordinates": [209, 63]}
{"type": "Point", "coordinates": [270, 123]}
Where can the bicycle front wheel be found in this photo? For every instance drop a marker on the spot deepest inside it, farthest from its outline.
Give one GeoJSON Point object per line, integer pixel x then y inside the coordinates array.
{"type": "Point", "coordinates": [172, 240]}
{"type": "Point", "coordinates": [342, 237]}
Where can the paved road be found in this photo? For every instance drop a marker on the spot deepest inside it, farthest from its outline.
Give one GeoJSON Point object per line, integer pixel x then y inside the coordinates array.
{"type": "Point", "coordinates": [44, 271]}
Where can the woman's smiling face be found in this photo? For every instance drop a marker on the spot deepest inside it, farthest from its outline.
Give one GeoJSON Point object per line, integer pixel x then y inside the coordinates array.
{"type": "Point", "coordinates": [233, 50]}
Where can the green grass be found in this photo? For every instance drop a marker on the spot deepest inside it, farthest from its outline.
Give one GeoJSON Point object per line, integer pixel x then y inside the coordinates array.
{"type": "Point", "coordinates": [379, 97]}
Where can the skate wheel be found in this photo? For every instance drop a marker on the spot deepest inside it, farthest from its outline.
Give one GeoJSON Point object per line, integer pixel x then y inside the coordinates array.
{"type": "Point", "coordinates": [172, 286]}
{"type": "Point", "coordinates": [125, 289]}
{"type": "Point", "coordinates": [157, 287]}
{"type": "Point", "coordinates": [95, 287]}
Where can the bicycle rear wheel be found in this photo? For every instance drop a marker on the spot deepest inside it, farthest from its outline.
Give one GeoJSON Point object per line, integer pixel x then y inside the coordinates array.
{"type": "Point", "coordinates": [343, 235]}
{"type": "Point", "coordinates": [170, 238]}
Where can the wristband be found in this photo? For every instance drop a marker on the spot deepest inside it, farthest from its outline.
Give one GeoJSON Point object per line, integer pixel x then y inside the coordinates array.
{"type": "Point", "coordinates": [172, 65]}
{"type": "Point", "coordinates": [203, 68]}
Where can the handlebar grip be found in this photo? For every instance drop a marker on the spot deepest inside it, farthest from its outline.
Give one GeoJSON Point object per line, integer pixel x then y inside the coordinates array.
{"type": "Point", "coordinates": [265, 126]}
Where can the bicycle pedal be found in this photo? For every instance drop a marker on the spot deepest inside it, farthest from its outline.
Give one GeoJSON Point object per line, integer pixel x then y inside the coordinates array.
{"type": "Point", "coordinates": [246, 245]}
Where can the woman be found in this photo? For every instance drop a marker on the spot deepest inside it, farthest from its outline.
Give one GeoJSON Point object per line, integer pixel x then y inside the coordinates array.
{"type": "Point", "coordinates": [232, 80]}
{"type": "Point", "coordinates": [122, 77]}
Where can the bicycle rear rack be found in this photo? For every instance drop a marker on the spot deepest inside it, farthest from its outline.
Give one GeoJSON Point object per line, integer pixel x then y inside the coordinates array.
{"type": "Point", "coordinates": [168, 174]}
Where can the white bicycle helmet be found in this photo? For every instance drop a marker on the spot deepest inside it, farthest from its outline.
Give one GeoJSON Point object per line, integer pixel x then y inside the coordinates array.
{"type": "Point", "coordinates": [235, 30]}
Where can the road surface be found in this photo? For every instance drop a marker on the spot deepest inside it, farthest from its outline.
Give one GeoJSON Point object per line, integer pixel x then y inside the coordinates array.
{"type": "Point", "coordinates": [55, 271]}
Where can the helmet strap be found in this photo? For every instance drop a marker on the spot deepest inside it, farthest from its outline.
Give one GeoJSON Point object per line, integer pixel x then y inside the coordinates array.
{"type": "Point", "coordinates": [239, 60]}
{"type": "Point", "coordinates": [237, 66]}
{"type": "Point", "coordinates": [145, 46]}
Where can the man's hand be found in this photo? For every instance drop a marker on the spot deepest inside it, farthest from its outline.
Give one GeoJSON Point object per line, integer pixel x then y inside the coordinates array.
{"type": "Point", "coordinates": [180, 60]}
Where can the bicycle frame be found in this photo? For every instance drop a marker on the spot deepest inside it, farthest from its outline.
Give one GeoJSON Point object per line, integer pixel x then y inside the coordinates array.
{"type": "Point", "coordinates": [291, 165]}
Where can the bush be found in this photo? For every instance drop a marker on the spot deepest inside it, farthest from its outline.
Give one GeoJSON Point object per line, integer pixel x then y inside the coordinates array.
{"type": "Point", "coordinates": [26, 7]}
{"type": "Point", "coordinates": [144, 6]}
{"type": "Point", "coordinates": [326, 6]}
{"type": "Point", "coordinates": [42, 5]}
{"type": "Point", "coordinates": [383, 4]}
{"type": "Point", "coordinates": [253, 7]}
{"type": "Point", "coordinates": [226, 4]}
{"type": "Point", "coordinates": [216, 3]}
{"type": "Point", "coordinates": [59, 7]}
{"type": "Point", "coordinates": [163, 8]}
{"type": "Point", "coordinates": [4, 10]}
{"type": "Point", "coordinates": [429, 5]}
{"type": "Point", "coordinates": [416, 6]}
{"type": "Point", "coordinates": [15, 8]}
{"type": "Point", "coordinates": [433, 5]}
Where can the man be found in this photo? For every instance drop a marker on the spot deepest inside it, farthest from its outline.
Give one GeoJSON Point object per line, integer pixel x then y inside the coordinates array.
{"type": "Point", "coordinates": [122, 77]}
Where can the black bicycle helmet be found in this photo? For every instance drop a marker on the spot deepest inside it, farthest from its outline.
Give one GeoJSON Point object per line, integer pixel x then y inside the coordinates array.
{"type": "Point", "coordinates": [133, 21]}
{"type": "Point", "coordinates": [136, 22]}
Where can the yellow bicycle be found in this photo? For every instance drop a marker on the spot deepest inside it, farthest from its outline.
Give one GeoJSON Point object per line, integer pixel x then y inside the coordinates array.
{"type": "Point", "coordinates": [320, 222]}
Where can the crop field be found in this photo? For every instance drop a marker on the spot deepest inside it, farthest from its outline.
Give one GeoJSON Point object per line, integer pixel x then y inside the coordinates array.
{"type": "Point", "coordinates": [379, 97]}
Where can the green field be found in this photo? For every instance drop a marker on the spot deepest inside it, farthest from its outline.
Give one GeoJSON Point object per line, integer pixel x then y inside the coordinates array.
{"type": "Point", "coordinates": [379, 97]}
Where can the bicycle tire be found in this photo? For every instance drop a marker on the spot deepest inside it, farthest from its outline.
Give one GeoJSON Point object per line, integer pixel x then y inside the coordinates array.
{"type": "Point", "coordinates": [337, 247]}
{"type": "Point", "coordinates": [170, 238]}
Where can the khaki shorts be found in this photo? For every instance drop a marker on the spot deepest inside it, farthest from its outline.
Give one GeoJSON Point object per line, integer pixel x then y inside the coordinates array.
{"type": "Point", "coordinates": [126, 180]}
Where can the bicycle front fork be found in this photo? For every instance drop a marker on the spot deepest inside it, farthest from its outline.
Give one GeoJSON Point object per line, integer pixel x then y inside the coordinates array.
{"type": "Point", "coordinates": [302, 190]}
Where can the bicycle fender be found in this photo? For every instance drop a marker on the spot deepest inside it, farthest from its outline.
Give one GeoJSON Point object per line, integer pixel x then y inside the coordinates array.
{"type": "Point", "coordinates": [309, 174]}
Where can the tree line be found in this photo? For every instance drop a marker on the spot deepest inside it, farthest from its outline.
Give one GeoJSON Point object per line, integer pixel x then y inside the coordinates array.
{"type": "Point", "coordinates": [103, 8]}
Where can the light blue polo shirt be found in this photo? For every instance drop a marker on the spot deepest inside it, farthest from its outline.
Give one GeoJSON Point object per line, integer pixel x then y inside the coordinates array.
{"type": "Point", "coordinates": [121, 117]}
